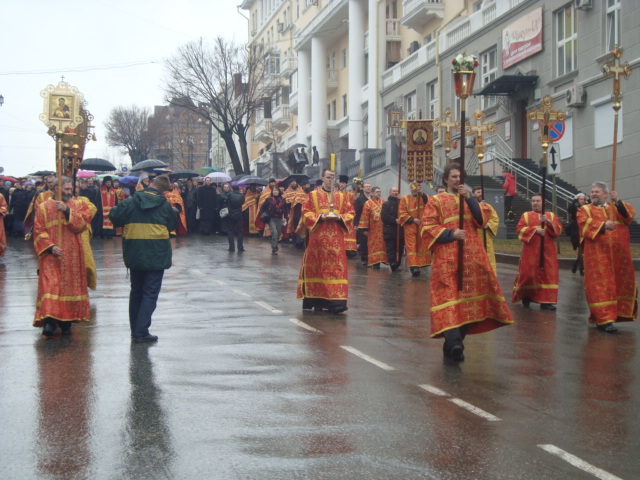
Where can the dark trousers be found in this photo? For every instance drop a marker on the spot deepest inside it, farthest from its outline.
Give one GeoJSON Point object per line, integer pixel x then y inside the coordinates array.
{"type": "Point", "coordinates": [390, 235]}
{"type": "Point", "coordinates": [145, 288]}
{"type": "Point", "coordinates": [234, 226]}
{"type": "Point", "coordinates": [454, 337]}
{"type": "Point", "coordinates": [363, 248]}
{"type": "Point", "coordinates": [507, 206]}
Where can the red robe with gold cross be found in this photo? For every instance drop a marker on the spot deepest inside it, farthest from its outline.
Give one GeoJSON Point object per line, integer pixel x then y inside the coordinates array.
{"type": "Point", "coordinates": [609, 277]}
{"type": "Point", "coordinates": [3, 235]}
{"type": "Point", "coordinates": [350, 242]}
{"type": "Point", "coordinates": [480, 304]}
{"type": "Point", "coordinates": [417, 252]}
{"type": "Point", "coordinates": [251, 205]}
{"type": "Point", "coordinates": [371, 221]}
{"type": "Point", "coordinates": [62, 281]}
{"type": "Point", "coordinates": [109, 200]}
{"type": "Point", "coordinates": [323, 274]}
{"type": "Point", "coordinates": [539, 285]}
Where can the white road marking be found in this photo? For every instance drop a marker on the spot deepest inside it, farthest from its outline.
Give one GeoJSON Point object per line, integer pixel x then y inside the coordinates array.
{"type": "Point", "coordinates": [475, 410]}
{"type": "Point", "coordinates": [461, 403]}
{"type": "Point", "coordinates": [240, 292]}
{"type": "Point", "coordinates": [218, 282]}
{"type": "Point", "coordinates": [305, 326]}
{"type": "Point", "coordinates": [434, 390]}
{"type": "Point", "coordinates": [578, 463]}
{"type": "Point", "coordinates": [366, 357]}
{"type": "Point", "coordinates": [267, 306]}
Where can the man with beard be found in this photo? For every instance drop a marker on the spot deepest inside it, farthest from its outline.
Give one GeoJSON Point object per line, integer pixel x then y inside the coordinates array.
{"type": "Point", "coordinates": [392, 232]}
{"type": "Point", "coordinates": [371, 224]}
{"type": "Point", "coordinates": [62, 281]}
{"type": "Point", "coordinates": [535, 284]}
{"type": "Point", "coordinates": [108, 200]}
{"type": "Point", "coordinates": [410, 210]}
{"type": "Point", "coordinates": [207, 206]}
{"type": "Point", "coordinates": [609, 277]}
{"type": "Point", "coordinates": [358, 206]}
{"type": "Point", "coordinates": [323, 281]}
{"type": "Point", "coordinates": [479, 306]}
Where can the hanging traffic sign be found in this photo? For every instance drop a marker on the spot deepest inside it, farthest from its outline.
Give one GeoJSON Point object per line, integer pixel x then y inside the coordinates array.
{"type": "Point", "coordinates": [556, 131]}
{"type": "Point", "coordinates": [553, 160]}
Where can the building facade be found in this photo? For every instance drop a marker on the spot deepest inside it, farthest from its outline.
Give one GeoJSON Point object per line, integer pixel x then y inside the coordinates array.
{"type": "Point", "coordinates": [337, 67]}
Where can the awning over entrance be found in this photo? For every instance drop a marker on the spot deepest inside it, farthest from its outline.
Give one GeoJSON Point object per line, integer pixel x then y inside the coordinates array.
{"type": "Point", "coordinates": [508, 84]}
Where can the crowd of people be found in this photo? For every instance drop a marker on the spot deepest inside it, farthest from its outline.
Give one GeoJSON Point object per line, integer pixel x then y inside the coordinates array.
{"type": "Point", "coordinates": [332, 223]}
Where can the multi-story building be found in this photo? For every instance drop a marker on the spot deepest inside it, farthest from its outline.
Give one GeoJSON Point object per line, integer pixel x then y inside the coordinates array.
{"type": "Point", "coordinates": [337, 67]}
{"type": "Point", "coordinates": [182, 138]}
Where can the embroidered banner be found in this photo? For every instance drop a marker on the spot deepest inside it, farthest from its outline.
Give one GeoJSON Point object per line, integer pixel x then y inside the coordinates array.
{"type": "Point", "coordinates": [419, 150]}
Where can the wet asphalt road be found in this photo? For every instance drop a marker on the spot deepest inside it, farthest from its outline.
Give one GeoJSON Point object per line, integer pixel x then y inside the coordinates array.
{"type": "Point", "coordinates": [244, 385]}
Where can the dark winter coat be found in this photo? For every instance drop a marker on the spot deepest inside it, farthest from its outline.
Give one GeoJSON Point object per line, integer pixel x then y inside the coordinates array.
{"type": "Point", "coordinates": [147, 219]}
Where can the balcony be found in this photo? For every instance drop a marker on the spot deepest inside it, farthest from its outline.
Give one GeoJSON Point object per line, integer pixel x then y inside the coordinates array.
{"type": "Point", "coordinates": [271, 82]}
{"type": "Point", "coordinates": [263, 130]}
{"type": "Point", "coordinates": [418, 12]}
{"type": "Point", "coordinates": [332, 79]}
{"type": "Point", "coordinates": [393, 30]}
{"type": "Point", "coordinates": [280, 117]}
{"type": "Point", "coordinates": [293, 102]}
{"type": "Point", "coordinates": [288, 66]}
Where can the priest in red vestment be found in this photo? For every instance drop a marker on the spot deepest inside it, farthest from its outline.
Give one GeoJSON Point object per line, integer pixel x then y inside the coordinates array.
{"type": "Point", "coordinates": [175, 199]}
{"type": "Point", "coordinates": [250, 209]}
{"type": "Point", "coordinates": [350, 242]}
{"type": "Point", "coordinates": [535, 284]}
{"type": "Point", "coordinates": [609, 277]}
{"type": "Point", "coordinates": [372, 226]}
{"type": "Point", "coordinates": [323, 281]}
{"type": "Point", "coordinates": [410, 214]}
{"type": "Point", "coordinates": [480, 305]}
{"type": "Point", "coordinates": [62, 281]}
{"type": "Point", "coordinates": [3, 235]}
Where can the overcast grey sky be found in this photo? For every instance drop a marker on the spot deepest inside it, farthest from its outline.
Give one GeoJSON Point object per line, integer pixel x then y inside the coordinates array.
{"type": "Point", "coordinates": [111, 50]}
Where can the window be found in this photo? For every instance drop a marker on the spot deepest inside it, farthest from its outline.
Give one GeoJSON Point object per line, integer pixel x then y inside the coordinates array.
{"type": "Point", "coordinates": [566, 40]}
{"type": "Point", "coordinates": [432, 100]}
{"type": "Point", "coordinates": [489, 69]}
{"type": "Point", "coordinates": [613, 24]}
{"type": "Point", "coordinates": [344, 105]}
{"type": "Point", "coordinates": [333, 110]}
{"type": "Point", "coordinates": [344, 58]}
{"type": "Point", "coordinates": [410, 106]}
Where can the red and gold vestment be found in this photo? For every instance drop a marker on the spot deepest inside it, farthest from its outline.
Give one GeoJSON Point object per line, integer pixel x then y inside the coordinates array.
{"type": "Point", "coordinates": [480, 304]}
{"type": "Point", "coordinates": [109, 200]}
{"type": "Point", "coordinates": [417, 252]}
{"type": "Point", "coordinates": [539, 285]}
{"type": "Point", "coordinates": [251, 205]}
{"type": "Point", "coordinates": [371, 220]}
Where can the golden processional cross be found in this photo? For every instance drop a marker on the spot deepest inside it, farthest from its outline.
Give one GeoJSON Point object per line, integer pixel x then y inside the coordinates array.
{"type": "Point", "coordinates": [614, 69]}
{"type": "Point", "coordinates": [546, 116]}
{"type": "Point", "coordinates": [446, 125]}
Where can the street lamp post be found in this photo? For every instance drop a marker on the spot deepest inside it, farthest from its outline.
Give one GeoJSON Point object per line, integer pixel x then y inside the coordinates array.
{"type": "Point", "coordinates": [1, 100]}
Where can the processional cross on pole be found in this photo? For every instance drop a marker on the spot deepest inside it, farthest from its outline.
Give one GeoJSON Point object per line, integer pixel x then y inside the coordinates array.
{"type": "Point", "coordinates": [446, 126]}
{"type": "Point", "coordinates": [546, 117]}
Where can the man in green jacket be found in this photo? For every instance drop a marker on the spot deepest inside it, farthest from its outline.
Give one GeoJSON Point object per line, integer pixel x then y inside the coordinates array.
{"type": "Point", "coordinates": [146, 218]}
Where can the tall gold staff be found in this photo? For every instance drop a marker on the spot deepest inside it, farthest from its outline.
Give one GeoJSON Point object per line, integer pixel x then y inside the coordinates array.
{"type": "Point", "coordinates": [614, 69]}
{"type": "Point", "coordinates": [478, 128]}
{"type": "Point", "coordinates": [546, 117]}
{"type": "Point", "coordinates": [464, 76]}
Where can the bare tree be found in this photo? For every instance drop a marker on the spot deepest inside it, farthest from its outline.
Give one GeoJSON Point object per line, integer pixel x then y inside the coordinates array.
{"type": "Point", "coordinates": [220, 82]}
{"type": "Point", "coordinates": [128, 127]}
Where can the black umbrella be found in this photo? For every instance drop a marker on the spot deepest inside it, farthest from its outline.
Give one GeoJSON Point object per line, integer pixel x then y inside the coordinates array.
{"type": "Point", "coordinates": [252, 180]}
{"type": "Point", "coordinates": [298, 177]}
{"type": "Point", "coordinates": [183, 174]}
{"type": "Point", "coordinates": [148, 165]}
{"type": "Point", "coordinates": [298, 145]}
{"type": "Point", "coordinates": [42, 173]}
{"type": "Point", "coordinates": [237, 178]}
{"type": "Point", "coordinates": [97, 165]}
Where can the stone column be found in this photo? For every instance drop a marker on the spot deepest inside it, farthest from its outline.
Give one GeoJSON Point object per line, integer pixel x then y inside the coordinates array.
{"type": "Point", "coordinates": [356, 74]}
{"type": "Point", "coordinates": [319, 97]}
{"type": "Point", "coordinates": [304, 95]}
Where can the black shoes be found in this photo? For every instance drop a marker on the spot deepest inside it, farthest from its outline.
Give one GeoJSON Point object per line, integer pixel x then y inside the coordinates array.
{"type": "Point", "coordinates": [547, 306]}
{"type": "Point", "coordinates": [65, 328]}
{"type": "Point", "coordinates": [49, 328]}
{"type": "Point", "coordinates": [607, 327]}
{"type": "Point", "coordinates": [457, 354]}
{"type": "Point", "coordinates": [574, 267]}
{"type": "Point", "coordinates": [241, 249]}
{"type": "Point", "coordinates": [147, 339]}
{"type": "Point", "coordinates": [526, 302]}
{"type": "Point", "coordinates": [395, 266]}
{"type": "Point", "coordinates": [415, 271]}
{"type": "Point", "coordinates": [231, 249]}
{"type": "Point", "coordinates": [337, 310]}
{"type": "Point", "coordinates": [376, 266]}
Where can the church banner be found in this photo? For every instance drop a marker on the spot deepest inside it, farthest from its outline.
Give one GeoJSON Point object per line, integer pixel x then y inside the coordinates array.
{"type": "Point", "coordinates": [419, 150]}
